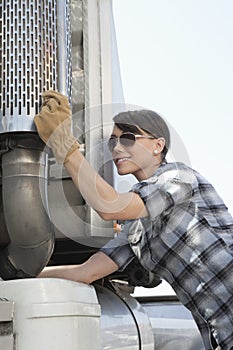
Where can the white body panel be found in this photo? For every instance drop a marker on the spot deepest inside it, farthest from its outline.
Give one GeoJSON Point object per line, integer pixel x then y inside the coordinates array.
{"type": "Point", "coordinates": [53, 314]}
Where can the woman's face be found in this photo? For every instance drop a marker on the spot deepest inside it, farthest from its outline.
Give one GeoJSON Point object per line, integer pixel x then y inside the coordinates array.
{"type": "Point", "coordinates": [139, 159]}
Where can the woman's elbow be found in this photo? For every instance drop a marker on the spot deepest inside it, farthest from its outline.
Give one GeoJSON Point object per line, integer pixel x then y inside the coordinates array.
{"type": "Point", "coordinates": [107, 216]}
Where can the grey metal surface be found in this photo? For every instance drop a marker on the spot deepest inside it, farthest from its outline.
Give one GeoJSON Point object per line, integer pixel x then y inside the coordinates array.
{"type": "Point", "coordinates": [118, 326]}
{"type": "Point", "coordinates": [92, 70]}
{"type": "Point", "coordinates": [173, 325]}
{"type": "Point", "coordinates": [77, 59]}
{"type": "Point", "coordinates": [63, 39]}
{"type": "Point", "coordinates": [127, 323]}
{"type": "Point", "coordinates": [142, 320]}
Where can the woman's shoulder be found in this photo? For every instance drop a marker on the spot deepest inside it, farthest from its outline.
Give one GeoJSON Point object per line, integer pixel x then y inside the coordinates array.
{"type": "Point", "coordinates": [174, 167]}
{"type": "Point", "coordinates": [174, 172]}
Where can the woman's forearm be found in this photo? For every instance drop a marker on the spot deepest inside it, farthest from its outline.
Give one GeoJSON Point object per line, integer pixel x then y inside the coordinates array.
{"type": "Point", "coordinates": [101, 196]}
{"type": "Point", "coordinates": [96, 191]}
{"type": "Point", "coordinates": [96, 267]}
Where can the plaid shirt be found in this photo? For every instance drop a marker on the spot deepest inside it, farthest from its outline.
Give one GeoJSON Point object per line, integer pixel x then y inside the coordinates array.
{"type": "Point", "coordinates": [187, 239]}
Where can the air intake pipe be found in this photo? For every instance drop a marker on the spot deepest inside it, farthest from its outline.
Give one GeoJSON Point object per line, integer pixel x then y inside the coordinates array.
{"type": "Point", "coordinates": [35, 55]}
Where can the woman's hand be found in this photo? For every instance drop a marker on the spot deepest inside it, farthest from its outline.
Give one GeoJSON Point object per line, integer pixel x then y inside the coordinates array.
{"type": "Point", "coordinates": [53, 124]}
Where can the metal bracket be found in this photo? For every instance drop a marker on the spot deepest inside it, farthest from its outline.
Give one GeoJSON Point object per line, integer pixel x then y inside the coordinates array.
{"type": "Point", "coordinates": [6, 324]}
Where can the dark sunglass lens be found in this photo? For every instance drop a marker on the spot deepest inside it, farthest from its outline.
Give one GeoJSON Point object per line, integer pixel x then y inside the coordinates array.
{"type": "Point", "coordinates": [112, 143]}
{"type": "Point", "coordinates": [127, 140]}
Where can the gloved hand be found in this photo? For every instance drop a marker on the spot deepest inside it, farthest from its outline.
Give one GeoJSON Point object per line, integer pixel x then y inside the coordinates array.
{"type": "Point", "coordinates": [53, 124]}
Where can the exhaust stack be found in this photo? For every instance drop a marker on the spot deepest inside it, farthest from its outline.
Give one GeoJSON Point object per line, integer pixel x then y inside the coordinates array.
{"type": "Point", "coordinates": [35, 56]}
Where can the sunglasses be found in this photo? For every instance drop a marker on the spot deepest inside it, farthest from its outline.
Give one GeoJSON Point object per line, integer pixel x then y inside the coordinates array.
{"type": "Point", "coordinates": [127, 139]}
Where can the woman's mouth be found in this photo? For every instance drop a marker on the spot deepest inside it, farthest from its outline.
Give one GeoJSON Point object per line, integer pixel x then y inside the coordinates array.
{"type": "Point", "coordinates": [121, 160]}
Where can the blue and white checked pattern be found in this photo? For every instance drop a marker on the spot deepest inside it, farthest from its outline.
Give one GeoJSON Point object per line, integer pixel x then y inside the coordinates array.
{"type": "Point", "coordinates": [187, 240]}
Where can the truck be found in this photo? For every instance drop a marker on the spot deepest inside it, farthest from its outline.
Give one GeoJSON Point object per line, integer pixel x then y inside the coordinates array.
{"type": "Point", "coordinates": [69, 46]}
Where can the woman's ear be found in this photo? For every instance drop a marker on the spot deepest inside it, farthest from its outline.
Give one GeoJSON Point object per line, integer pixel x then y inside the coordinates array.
{"type": "Point", "coordinates": [159, 145]}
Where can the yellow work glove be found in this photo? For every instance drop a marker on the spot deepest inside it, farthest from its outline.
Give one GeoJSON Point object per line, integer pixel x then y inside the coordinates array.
{"type": "Point", "coordinates": [53, 124]}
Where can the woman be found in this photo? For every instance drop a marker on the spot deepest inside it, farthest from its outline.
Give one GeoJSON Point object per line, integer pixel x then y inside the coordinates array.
{"type": "Point", "coordinates": [176, 224]}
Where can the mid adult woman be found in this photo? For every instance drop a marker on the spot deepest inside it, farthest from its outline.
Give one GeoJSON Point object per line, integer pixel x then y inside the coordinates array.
{"type": "Point", "coordinates": [175, 222]}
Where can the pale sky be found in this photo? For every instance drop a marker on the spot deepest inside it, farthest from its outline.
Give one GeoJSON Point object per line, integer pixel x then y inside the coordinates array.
{"type": "Point", "coordinates": [176, 57]}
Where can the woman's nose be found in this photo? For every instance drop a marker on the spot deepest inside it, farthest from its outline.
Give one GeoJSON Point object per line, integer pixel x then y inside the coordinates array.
{"type": "Point", "coordinates": [118, 146]}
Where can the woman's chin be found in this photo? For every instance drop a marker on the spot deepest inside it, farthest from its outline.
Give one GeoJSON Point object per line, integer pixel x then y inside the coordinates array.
{"type": "Point", "coordinates": [123, 170]}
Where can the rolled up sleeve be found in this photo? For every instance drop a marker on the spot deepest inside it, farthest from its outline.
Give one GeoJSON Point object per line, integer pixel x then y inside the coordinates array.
{"type": "Point", "coordinates": [119, 250]}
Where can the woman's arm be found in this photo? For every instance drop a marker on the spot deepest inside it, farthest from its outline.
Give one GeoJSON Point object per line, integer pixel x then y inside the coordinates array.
{"type": "Point", "coordinates": [96, 267]}
{"type": "Point", "coordinates": [101, 196]}
{"type": "Point", "coordinates": [53, 124]}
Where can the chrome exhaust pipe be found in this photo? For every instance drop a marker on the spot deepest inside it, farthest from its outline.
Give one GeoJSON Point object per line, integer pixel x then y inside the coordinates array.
{"type": "Point", "coordinates": [24, 196]}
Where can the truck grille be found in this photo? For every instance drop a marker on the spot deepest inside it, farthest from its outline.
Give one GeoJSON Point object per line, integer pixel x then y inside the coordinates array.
{"type": "Point", "coordinates": [29, 59]}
